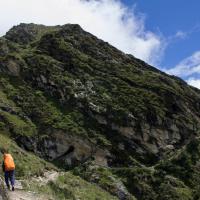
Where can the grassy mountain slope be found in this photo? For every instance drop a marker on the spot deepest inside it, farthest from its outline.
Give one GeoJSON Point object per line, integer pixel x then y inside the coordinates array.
{"type": "Point", "coordinates": [75, 100]}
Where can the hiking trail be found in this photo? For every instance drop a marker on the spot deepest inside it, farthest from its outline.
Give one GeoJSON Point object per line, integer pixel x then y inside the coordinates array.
{"type": "Point", "coordinates": [21, 194]}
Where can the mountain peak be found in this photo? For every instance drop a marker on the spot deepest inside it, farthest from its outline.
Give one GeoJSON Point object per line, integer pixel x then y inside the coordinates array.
{"type": "Point", "coordinates": [26, 33]}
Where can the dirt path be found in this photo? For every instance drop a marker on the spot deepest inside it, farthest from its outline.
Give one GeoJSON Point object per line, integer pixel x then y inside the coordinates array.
{"type": "Point", "coordinates": [47, 177]}
{"type": "Point", "coordinates": [24, 195]}
{"type": "Point", "coordinates": [21, 194]}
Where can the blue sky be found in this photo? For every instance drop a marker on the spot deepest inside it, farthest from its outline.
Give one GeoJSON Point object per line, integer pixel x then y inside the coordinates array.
{"type": "Point", "coordinates": [164, 33]}
{"type": "Point", "coordinates": [170, 17]}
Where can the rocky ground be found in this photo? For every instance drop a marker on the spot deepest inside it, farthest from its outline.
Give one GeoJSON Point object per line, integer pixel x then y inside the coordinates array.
{"type": "Point", "coordinates": [29, 189]}
{"type": "Point", "coordinates": [24, 195]}
{"type": "Point", "coordinates": [21, 193]}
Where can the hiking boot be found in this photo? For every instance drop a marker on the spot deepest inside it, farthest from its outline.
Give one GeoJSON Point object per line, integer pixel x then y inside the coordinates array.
{"type": "Point", "coordinates": [8, 187]}
{"type": "Point", "coordinates": [13, 188]}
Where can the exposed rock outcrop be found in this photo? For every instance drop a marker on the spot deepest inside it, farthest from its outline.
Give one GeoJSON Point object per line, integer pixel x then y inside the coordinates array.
{"type": "Point", "coordinates": [70, 150]}
{"type": "Point", "coordinates": [3, 192]}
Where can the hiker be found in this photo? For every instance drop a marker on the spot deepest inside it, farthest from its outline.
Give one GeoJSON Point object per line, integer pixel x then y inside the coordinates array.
{"type": "Point", "coordinates": [8, 169]}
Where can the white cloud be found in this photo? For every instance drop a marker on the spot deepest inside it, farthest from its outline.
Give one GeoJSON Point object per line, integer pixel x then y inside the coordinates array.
{"type": "Point", "coordinates": [109, 20]}
{"type": "Point", "coordinates": [194, 82]}
{"type": "Point", "coordinates": [181, 34]}
{"type": "Point", "coordinates": [187, 67]}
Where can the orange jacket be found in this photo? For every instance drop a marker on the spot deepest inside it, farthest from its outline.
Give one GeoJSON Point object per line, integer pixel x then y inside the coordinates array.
{"type": "Point", "coordinates": [8, 162]}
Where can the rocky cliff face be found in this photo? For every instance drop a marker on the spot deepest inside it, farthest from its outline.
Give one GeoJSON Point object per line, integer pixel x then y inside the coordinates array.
{"type": "Point", "coordinates": [3, 192]}
{"type": "Point", "coordinates": [72, 98]}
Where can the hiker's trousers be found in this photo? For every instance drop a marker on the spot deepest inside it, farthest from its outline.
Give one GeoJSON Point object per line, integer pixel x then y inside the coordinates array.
{"type": "Point", "coordinates": [10, 176]}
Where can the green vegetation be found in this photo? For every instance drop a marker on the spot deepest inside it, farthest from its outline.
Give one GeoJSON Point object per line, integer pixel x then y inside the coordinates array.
{"type": "Point", "coordinates": [27, 164]}
{"type": "Point", "coordinates": [61, 84]}
{"type": "Point", "coordinates": [17, 125]}
{"type": "Point", "coordinates": [67, 186]}
{"type": "Point", "coordinates": [72, 187]}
